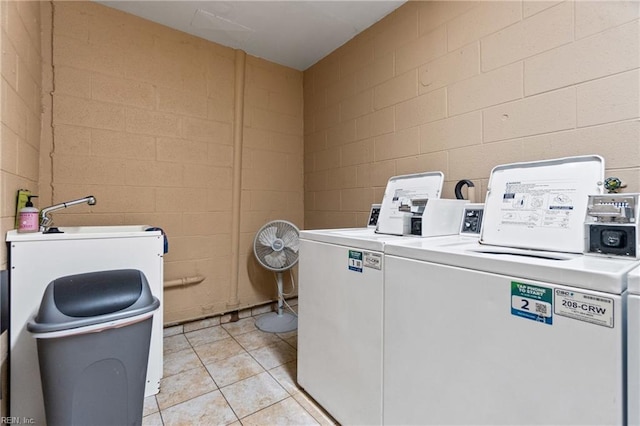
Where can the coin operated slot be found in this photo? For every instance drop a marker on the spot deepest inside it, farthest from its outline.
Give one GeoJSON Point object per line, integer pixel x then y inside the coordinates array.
{"type": "Point", "coordinates": [612, 225]}
{"type": "Point", "coordinates": [374, 214]}
{"type": "Point", "coordinates": [472, 220]}
{"type": "Point", "coordinates": [416, 225]}
{"type": "Point", "coordinates": [437, 217]}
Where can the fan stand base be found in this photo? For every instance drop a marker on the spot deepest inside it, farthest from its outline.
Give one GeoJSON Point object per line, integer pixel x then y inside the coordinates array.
{"type": "Point", "coordinates": [274, 323]}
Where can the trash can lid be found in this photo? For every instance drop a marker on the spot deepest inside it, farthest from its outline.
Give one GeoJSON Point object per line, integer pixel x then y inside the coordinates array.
{"type": "Point", "coordinates": [85, 299]}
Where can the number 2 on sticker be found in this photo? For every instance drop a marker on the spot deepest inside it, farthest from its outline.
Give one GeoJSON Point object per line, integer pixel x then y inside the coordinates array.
{"type": "Point", "coordinates": [525, 304]}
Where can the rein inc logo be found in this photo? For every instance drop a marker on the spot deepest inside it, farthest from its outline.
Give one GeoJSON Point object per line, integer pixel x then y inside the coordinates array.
{"type": "Point", "coordinates": [17, 420]}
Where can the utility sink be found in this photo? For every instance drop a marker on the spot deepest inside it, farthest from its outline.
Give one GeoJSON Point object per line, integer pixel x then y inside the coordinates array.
{"type": "Point", "coordinates": [82, 232]}
{"type": "Point", "coordinates": [103, 229]}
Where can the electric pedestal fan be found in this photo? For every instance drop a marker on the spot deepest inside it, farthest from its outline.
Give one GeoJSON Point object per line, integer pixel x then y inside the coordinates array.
{"type": "Point", "coordinates": [276, 248]}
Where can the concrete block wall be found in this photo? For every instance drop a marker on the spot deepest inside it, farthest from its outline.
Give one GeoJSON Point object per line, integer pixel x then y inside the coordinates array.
{"type": "Point", "coordinates": [461, 87]}
{"type": "Point", "coordinates": [20, 120]}
{"type": "Point", "coordinates": [142, 118]}
{"type": "Point", "coordinates": [20, 71]}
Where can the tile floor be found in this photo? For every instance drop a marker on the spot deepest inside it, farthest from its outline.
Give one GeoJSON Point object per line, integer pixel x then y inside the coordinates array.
{"type": "Point", "coordinates": [231, 373]}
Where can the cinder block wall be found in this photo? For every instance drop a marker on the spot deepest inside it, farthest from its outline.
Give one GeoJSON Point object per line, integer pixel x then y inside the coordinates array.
{"type": "Point", "coordinates": [143, 120]}
{"type": "Point", "coordinates": [20, 114]}
{"type": "Point", "coordinates": [461, 87]}
{"type": "Point", "coordinates": [20, 68]}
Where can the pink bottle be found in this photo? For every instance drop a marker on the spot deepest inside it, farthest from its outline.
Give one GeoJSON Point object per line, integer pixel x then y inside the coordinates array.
{"type": "Point", "coordinates": [28, 220]}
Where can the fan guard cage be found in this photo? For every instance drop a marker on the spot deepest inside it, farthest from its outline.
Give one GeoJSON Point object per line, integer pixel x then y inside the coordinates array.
{"type": "Point", "coordinates": [276, 245]}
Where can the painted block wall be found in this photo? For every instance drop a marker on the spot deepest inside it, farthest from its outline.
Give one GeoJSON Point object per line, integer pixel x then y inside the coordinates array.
{"type": "Point", "coordinates": [461, 87]}
{"type": "Point", "coordinates": [142, 118]}
{"type": "Point", "coordinates": [20, 70]}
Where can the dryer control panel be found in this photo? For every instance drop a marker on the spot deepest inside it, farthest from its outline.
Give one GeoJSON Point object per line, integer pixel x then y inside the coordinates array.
{"type": "Point", "coordinates": [611, 225]}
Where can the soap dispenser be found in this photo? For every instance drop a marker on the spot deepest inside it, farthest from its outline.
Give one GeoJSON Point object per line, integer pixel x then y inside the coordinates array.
{"type": "Point", "coordinates": [28, 217]}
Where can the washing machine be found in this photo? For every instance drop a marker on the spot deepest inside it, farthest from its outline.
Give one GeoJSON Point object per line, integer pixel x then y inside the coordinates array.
{"type": "Point", "coordinates": [517, 328]}
{"type": "Point", "coordinates": [340, 307]}
{"type": "Point", "coordinates": [501, 337]}
{"type": "Point", "coordinates": [633, 349]}
{"type": "Point", "coordinates": [36, 259]}
{"type": "Point", "coordinates": [612, 230]}
{"type": "Point", "coordinates": [340, 302]}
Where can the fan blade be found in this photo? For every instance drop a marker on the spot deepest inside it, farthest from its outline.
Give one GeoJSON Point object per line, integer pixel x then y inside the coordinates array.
{"type": "Point", "coordinates": [290, 239]}
{"type": "Point", "coordinates": [276, 259]}
{"type": "Point", "coordinates": [268, 236]}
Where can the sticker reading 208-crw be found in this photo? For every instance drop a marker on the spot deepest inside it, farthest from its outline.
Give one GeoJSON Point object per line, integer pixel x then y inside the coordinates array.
{"type": "Point", "coordinates": [584, 307]}
{"type": "Point", "coordinates": [532, 302]}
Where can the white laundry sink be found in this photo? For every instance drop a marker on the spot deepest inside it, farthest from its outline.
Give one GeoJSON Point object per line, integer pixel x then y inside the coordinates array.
{"type": "Point", "coordinates": [82, 232]}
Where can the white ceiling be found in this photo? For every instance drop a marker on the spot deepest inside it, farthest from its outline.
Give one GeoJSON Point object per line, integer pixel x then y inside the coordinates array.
{"type": "Point", "coordinates": [296, 33]}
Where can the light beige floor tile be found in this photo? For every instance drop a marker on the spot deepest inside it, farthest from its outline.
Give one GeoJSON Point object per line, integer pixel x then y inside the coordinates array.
{"type": "Point", "coordinates": [206, 335]}
{"type": "Point", "coordinates": [219, 350]}
{"type": "Point", "coordinates": [256, 339]}
{"type": "Point", "coordinates": [287, 335]}
{"type": "Point", "coordinates": [184, 386]}
{"type": "Point", "coordinates": [272, 356]}
{"type": "Point", "coordinates": [197, 325]}
{"type": "Point", "coordinates": [286, 412]}
{"type": "Point", "coordinates": [293, 341]}
{"type": "Point", "coordinates": [152, 420]}
{"type": "Point", "coordinates": [240, 327]}
{"type": "Point", "coordinates": [312, 407]}
{"type": "Point", "coordinates": [250, 395]}
{"type": "Point", "coordinates": [208, 409]}
{"type": "Point", "coordinates": [172, 331]}
{"type": "Point", "coordinates": [175, 344]}
{"type": "Point", "coordinates": [150, 406]}
{"type": "Point", "coordinates": [233, 369]}
{"type": "Point", "coordinates": [286, 375]}
{"type": "Point", "coordinates": [177, 362]}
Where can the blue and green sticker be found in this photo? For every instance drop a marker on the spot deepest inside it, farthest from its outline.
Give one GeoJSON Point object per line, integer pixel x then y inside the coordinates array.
{"type": "Point", "coordinates": [355, 260]}
{"type": "Point", "coordinates": [532, 302]}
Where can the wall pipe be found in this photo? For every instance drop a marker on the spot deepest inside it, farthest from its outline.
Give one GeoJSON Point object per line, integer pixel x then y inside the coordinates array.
{"type": "Point", "coordinates": [182, 282]}
{"type": "Point", "coordinates": [238, 124]}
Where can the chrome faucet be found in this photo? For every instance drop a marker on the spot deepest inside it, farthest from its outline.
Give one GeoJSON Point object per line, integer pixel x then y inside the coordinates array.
{"type": "Point", "coordinates": [46, 220]}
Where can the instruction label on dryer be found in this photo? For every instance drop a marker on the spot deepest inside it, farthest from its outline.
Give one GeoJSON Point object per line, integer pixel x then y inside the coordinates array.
{"type": "Point", "coordinates": [584, 307]}
{"type": "Point", "coordinates": [532, 302]}
{"type": "Point", "coordinates": [533, 204]}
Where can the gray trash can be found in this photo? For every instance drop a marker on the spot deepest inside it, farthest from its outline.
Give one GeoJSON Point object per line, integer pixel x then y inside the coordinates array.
{"type": "Point", "coordinates": [93, 333]}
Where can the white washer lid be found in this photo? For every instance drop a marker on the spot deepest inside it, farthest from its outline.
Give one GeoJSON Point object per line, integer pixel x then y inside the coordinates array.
{"type": "Point", "coordinates": [578, 270]}
{"type": "Point", "coordinates": [363, 238]}
{"type": "Point", "coordinates": [400, 190]}
{"type": "Point", "coordinates": [541, 205]}
{"type": "Point", "coordinates": [634, 280]}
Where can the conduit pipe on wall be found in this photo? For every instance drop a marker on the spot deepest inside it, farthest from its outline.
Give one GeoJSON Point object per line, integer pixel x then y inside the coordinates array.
{"type": "Point", "coordinates": [238, 123]}
{"type": "Point", "coordinates": [182, 282]}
